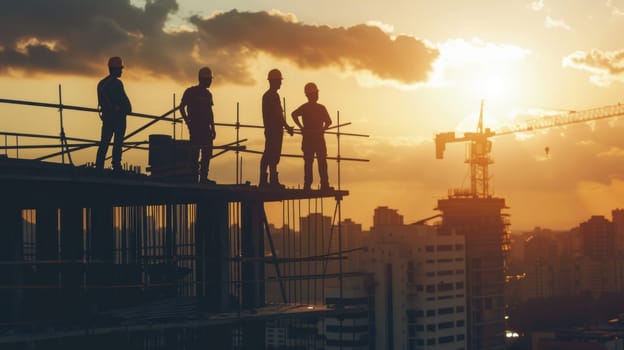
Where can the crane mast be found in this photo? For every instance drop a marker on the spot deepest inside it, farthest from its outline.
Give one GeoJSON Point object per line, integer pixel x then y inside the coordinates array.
{"type": "Point", "coordinates": [479, 146]}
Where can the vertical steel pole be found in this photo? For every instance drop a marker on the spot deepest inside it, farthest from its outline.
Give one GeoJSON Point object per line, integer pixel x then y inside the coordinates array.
{"type": "Point", "coordinates": [61, 121]}
{"type": "Point", "coordinates": [237, 141]}
{"type": "Point", "coordinates": [174, 117]}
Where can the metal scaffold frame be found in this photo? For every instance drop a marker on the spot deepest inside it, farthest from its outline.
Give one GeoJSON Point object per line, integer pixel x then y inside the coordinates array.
{"type": "Point", "coordinates": [166, 261]}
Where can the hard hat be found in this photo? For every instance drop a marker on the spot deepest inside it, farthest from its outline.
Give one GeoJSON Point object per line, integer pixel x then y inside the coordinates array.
{"type": "Point", "coordinates": [275, 74]}
{"type": "Point", "coordinates": [205, 72]}
{"type": "Point", "coordinates": [310, 87]}
{"type": "Point", "coordinates": [115, 62]}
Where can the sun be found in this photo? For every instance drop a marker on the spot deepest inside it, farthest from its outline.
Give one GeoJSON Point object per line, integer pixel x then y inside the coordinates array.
{"type": "Point", "coordinates": [491, 87]}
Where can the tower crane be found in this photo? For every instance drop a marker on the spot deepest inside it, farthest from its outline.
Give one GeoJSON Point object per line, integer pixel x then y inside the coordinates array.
{"type": "Point", "coordinates": [479, 144]}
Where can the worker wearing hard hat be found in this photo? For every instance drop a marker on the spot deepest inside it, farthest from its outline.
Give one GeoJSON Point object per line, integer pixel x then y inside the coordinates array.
{"type": "Point", "coordinates": [196, 110]}
{"type": "Point", "coordinates": [114, 106]}
{"type": "Point", "coordinates": [314, 121]}
{"type": "Point", "coordinates": [274, 125]}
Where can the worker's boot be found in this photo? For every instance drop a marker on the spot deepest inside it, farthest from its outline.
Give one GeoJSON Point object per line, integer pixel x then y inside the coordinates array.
{"type": "Point", "coordinates": [326, 187]}
{"type": "Point", "coordinates": [275, 181]}
{"type": "Point", "coordinates": [263, 179]}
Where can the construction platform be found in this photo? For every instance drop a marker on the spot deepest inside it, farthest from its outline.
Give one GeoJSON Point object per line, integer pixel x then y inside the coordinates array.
{"type": "Point", "coordinates": [28, 184]}
{"type": "Point", "coordinates": [100, 259]}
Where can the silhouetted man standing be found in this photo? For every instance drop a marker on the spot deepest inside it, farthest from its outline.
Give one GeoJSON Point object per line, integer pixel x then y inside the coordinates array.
{"type": "Point", "coordinates": [274, 125]}
{"type": "Point", "coordinates": [315, 120]}
{"type": "Point", "coordinates": [114, 107]}
{"type": "Point", "coordinates": [196, 110]}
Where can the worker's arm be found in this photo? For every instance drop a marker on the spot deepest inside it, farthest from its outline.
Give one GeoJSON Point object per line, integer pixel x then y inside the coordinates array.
{"type": "Point", "coordinates": [288, 128]}
{"type": "Point", "coordinates": [326, 120]}
{"type": "Point", "coordinates": [183, 105]}
{"type": "Point", "coordinates": [295, 117]}
{"type": "Point", "coordinates": [213, 131]}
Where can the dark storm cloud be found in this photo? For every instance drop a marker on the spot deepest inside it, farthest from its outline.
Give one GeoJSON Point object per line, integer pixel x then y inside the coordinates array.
{"type": "Point", "coordinates": [360, 47]}
{"type": "Point", "coordinates": [77, 36]}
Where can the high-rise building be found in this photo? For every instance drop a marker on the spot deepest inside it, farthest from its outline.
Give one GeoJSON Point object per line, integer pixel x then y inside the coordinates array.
{"type": "Point", "coordinates": [317, 239]}
{"type": "Point", "coordinates": [419, 287]}
{"type": "Point", "coordinates": [352, 238]}
{"type": "Point", "coordinates": [598, 238]}
{"type": "Point", "coordinates": [352, 331]}
{"type": "Point", "coordinates": [541, 263]}
{"type": "Point", "coordinates": [386, 216]}
{"type": "Point", "coordinates": [482, 223]}
{"type": "Point", "coordinates": [618, 224]}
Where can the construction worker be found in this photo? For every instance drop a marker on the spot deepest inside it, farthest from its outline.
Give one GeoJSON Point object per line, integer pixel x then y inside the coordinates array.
{"type": "Point", "coordinates": [274, 125]}
{"type": "Point", "coordinates": [196, 110]}
{"type": "Point", "coordinates": [114, 106]}
{"type": "Point", "coordinates": [314, 121]}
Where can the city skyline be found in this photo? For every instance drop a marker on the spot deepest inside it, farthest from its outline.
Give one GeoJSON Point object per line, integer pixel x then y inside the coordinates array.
{"type": "Point", "coordinates": [438, 62]}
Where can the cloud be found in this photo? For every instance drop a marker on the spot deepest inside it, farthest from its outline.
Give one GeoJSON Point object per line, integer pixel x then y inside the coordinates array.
{"type": "Point", "coordinates": [615, 11]}
{"type": "Point", "coordinates": [459, 52]}
{"type": "Point", "coordinates": [549, 22]}
{"type": "Point", "coordinates": [604, 66]}
{"type": "Point", "coordinates": [537, 5]}
{"type": "Point", "coordinates": [77, 37]}
{"type": "Point", "coordinates": [474, 55]}
{"type": "Point", "coordinates": [612, 152]}
{"type": "Point", "coordinates": [359, 48]}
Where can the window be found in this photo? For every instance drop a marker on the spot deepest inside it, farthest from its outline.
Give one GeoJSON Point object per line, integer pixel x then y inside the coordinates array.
{"type": "Point", "coordinates": [460, 323]}
{"type": "Point", "coordinates": [429, 249]}
{"type": "Point", "coordinates": [445, 273]}
{"type": "Point", "coordinates": [446, 325]}
{"type": "Point", "coordinates": [459, 247]}
{"type": "Point", "coordinates": [459, 285]}
{"type": "Point", "coordinates": [430, 288]}
{"type": "Point", "coordinates": [447, 339]}
{"type": "Point", "coordinates": [459, 309]}
{"type": "Point", "coordinates": [430, 274]}
{"type": "Point", "coordinates": [445, 248]}
{"type": "Point", "coordinates": [431, 341]}
{"type": "Point", "coordinates": [461, 337]}
{"type": "Point", "coordinates": [431, 328]}
{"type": "Point", "coordinates": [445, 287]}
{"type": "Point", "coordinates": [446, 310]}
{"type": "Point", "coordinates": [430, 312]}
{"type": "Point", "coordinates": [412, 315]}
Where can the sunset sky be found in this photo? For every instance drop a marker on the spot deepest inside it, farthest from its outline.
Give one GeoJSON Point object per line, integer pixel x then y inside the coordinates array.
{"type": "Point", "coordinates": [400, 71]}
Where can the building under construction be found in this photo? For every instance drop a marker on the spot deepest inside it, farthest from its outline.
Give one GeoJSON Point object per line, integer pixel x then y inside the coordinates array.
{"type": "Point", "coordinates": [96, 259]}
{"type": "Point", "coordinates": [484, 226]}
